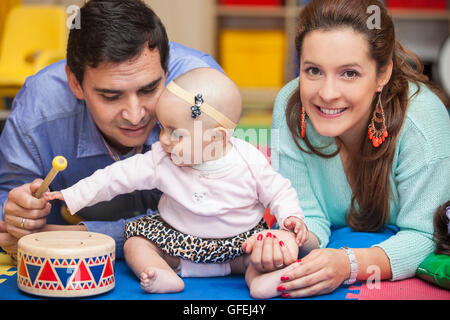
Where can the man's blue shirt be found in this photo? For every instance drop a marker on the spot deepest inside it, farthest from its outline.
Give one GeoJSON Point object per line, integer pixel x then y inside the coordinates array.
{"type": "Point", "coordinates": [48, 120]}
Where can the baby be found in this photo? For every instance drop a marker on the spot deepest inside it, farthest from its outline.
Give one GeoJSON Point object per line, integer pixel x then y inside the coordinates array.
{"type": "Point", "coordinates": [215, 189]}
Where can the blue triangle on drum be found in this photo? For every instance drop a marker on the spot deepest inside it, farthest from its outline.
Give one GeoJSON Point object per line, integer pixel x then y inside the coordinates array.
{"type": "Point", "coordinates": [64, 274]}
{"type": "Point", "coordinates": [97, 272]}
{"type": "Point", "coordinates": [33, 271]}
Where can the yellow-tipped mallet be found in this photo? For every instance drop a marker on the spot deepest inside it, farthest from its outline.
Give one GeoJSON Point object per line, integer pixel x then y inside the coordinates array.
{"type": "Point", "coordinates": [59, 163]}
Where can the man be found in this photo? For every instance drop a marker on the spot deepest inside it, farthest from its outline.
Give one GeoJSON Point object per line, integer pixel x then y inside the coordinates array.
{"type": "Point", "coordinates": [95, 108]}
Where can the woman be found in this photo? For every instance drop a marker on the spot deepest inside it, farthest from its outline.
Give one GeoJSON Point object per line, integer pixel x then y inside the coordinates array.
{"type": "Point", "coordinates": [364, 140]}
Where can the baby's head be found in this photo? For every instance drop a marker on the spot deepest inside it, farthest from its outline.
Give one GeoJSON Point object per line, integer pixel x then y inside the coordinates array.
{"type": "Point", "coordinates": [191, 138]}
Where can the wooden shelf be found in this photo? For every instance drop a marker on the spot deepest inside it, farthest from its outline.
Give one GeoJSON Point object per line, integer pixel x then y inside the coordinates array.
{"type": "Point", "coordinates": [258, 98]}
{"type": "Point", "coordinates": [420, 14]}
{"type": "Point", "coordinates": [4, 114]}
{"type": "Point", "coordinates": [293, 11]}
{"type": "Point", "coordinates": [285, 18]}
{"type": "Point", "coordinates": [251, 11]}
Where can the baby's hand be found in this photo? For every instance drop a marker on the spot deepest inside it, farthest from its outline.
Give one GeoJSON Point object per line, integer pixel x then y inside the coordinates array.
{"type": "Point", "coordinates": [297, 226]}
{"type": "Point", "coordinates": [54, 195]}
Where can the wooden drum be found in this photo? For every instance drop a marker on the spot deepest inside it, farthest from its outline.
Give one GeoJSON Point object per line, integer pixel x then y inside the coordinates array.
{"type": "Point", "coordinates": [66, 263]}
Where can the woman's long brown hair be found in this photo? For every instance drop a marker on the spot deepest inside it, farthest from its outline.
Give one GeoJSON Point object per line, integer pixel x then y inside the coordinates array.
{"type": "Point", "coordinates": [368, 173]}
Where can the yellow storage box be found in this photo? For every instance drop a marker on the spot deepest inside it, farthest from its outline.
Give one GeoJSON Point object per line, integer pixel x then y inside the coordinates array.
{"type": "Point", "coordinates": [254, 58]}
{"type": "Point", "coordinates": [34, 37]}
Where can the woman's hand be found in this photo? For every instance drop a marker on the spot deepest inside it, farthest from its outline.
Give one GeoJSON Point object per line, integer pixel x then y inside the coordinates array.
{"type": "Point", "coordinates": [320, 272]}
{"type": "Point", "coordinates": [271, 250]}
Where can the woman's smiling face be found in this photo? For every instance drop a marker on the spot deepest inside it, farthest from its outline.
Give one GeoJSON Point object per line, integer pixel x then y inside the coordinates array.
{"type": "Point", "coordinates": [338, 82]}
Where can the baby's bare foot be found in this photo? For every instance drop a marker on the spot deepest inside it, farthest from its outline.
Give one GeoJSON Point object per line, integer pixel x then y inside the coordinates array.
{"type": "Point", "coordinates": [266, 285]}
{"type": "Point", "coordinates": [154, 280]}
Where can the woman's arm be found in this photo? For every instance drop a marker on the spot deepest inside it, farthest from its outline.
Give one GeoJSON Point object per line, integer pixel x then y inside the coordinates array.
{"type": "Point", "coordinates": [421, 183]}
{"type": "Point", "coordinates": [323, 270]}
{"type": "Point", "coordinates": [372, 262]}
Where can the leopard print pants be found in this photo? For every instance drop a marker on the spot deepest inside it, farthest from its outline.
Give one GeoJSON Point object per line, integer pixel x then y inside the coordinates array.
{"type": "Point", "coordinates": [196, 249]}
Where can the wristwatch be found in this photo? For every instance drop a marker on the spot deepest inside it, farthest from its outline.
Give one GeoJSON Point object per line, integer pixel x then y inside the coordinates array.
{"type": "Point", "coordinates": [353, 265]}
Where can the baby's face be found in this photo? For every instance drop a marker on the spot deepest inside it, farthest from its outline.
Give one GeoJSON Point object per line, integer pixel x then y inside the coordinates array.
{"type": "Point", "coordinates": [188, 141]}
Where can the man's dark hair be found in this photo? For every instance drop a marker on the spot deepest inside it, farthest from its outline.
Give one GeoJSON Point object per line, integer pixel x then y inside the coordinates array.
{"type": "Point", "coordinates": [114, 31]}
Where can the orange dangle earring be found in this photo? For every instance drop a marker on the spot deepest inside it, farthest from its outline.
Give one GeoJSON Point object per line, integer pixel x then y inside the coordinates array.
{"type": "Point", "coordinates": [378, 132]}
{"type": "Point", "coordinates": [303, 122]}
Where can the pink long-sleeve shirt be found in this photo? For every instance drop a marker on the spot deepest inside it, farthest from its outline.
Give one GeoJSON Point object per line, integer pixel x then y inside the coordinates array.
{"type": "Point", "coordinates": [208, 204]}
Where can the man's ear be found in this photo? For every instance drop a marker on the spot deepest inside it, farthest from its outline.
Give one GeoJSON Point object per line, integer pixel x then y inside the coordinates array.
{"type": "Point", "coordinates": [385, 76]}
{"type": "Point", "coordinates": [74, 85]}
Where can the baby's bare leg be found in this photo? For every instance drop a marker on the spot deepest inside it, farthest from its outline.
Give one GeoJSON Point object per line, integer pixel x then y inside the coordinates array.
{"type": "Point", "coordinates": [265, 285]}
{"type": "Point", "coordinates": [239, 265]}
{"type": "Point", "coordinates": [151, 266]}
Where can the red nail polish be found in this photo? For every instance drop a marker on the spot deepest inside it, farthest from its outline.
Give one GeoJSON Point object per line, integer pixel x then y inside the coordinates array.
{"type": "Point", "coordinates": [299, 260]}
{"type": "Point", "coordinates": [286, 295]}
{"type": "Point", "coordinates": [268, 235]}
{"type": "Point", "coordinates": [281, 288]}
{"type": "Point", "coordinates": [273, 236]}
{"type": "Point", "coordinates": [281, 243]}
{"type": "Point", "coordinates": [284, 278]}
{"type": "Point", "coordinates": [245, 247]}
{"type": "Point", "coordinates": [260, 237]}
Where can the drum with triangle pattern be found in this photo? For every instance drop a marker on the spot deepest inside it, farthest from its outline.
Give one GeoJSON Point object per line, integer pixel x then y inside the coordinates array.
{"type": "Point", "coordinates": [66, 263]}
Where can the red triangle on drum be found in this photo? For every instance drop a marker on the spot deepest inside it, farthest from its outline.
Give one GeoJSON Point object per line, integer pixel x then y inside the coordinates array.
{"type": "Point", "coordinates": [47, 273]}
{"type": "Point", "coordinates": [22, 269]}
{"type": "Point", "coordinates": [108, 269]}
{"type": "Point", "coordinates": [82, 274]}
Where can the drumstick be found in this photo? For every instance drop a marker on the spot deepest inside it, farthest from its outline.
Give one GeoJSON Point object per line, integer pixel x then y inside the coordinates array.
{"type": "Point", "coordinates": [59, 163]}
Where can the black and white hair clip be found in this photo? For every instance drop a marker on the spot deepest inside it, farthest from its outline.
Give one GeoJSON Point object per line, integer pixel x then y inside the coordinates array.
{"type": "Point", "coordinates": [196, 108]}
